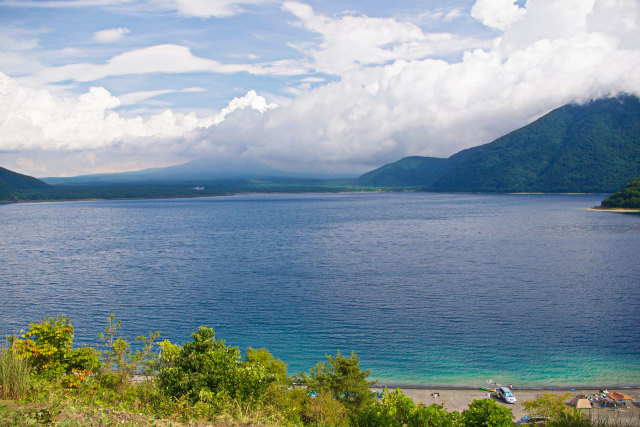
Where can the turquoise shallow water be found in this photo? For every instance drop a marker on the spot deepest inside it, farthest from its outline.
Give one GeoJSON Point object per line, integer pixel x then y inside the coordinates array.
{"type": "Point", "coordinates": [425, 288]}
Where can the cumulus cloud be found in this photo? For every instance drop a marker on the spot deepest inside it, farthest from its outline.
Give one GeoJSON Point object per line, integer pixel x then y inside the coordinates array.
{"type": "Point", "coordinates": [110, 35]}
{"type": "Point", "coordinates": [38, 120]}
{"type": "Point", "coordinates": [422, 106]}
{"type": "Point", "coordinates": [497, 14]}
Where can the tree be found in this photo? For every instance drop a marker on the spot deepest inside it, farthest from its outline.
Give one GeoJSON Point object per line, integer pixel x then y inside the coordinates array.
{"type": "Point", "coordinates": [548, 405]}
{"type": "Point", "coordinates": [342, 377]}
{"type": "Point", "coordinates": [262, 358]}
{"type": "Point", "coordinates": [487, 413]}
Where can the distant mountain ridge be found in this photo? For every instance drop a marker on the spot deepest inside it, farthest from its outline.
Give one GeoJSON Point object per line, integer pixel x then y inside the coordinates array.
{"type": "Point", "coordinates": [576, 148]}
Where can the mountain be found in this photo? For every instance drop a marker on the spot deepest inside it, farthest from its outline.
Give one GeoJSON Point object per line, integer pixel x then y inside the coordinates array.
{"type": "Point", "coordinates": [627, 198]}
{"type": "Point", "coordinates": [414, 171]}
{"type": "Point", "coordinates": [197, 171]}
{"type": "Point", "coordinates": [13, 183]}
{"type": "Point", "coordinates": [576, 148]}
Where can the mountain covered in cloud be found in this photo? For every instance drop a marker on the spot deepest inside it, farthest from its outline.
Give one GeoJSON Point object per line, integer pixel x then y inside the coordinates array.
{"type": "Point", "coordinates": [195, 172]}
{"type": "Point", "coordinates": [576, 148]}
{"type": "Point", "coordinates": [594, 147]}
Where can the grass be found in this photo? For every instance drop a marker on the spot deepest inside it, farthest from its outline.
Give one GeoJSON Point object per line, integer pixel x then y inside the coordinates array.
{"type": "Point", "coordinates": [15, 375]}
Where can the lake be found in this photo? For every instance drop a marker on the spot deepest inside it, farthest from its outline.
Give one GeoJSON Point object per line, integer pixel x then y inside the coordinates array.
{"type": "Point", "coordinates": [446, 289]}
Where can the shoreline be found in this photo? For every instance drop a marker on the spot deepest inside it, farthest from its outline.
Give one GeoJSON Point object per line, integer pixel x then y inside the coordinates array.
{"type": "Point", "coordinates": [515, 387]}
{"type": "Point", "coordinates": [619, 210]}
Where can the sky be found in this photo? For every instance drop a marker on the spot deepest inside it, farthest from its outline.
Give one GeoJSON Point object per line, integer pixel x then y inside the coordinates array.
{"type": "Point", "coordinates": [327, 87]}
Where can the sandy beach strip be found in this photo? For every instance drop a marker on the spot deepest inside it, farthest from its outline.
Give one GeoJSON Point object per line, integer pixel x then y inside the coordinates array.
{"type": "Point", "coordinates": [458, 399]}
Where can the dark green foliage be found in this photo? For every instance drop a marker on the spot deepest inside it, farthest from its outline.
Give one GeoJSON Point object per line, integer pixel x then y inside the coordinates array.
{"type": "Point", "coordinates": [576, 148]}
{"type": "Point", "coordinates": [488, 413]}
{"type": "Point", "coordinates": [627, 198]}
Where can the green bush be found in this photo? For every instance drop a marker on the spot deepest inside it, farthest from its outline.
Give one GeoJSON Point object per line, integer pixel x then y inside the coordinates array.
{"type": "Point", "coordinates": [488, 413]}
{"type": "Point", "coordinates": [206, 369]}
{"type": "Point", "coordinates": [397, 410]}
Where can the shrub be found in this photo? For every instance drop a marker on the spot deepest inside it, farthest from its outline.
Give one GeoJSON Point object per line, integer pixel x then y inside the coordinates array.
{"type": "Point", "coordinates": [206, 369]}
{"type": "Point", "coordinates": [48, 347]}
{"type": "Point", "coordinates": [486, 412]}
{"type": "Point", "coordinates": [322, 409]}
{"type": "Point", "coordinates": [118, 361]}
{"type": "Point", "coordinates": [571, 417]}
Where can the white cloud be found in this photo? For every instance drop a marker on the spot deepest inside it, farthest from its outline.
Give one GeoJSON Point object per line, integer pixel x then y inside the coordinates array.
{"type": "Point", "coordinates": [387, 97]}
{"type": "Point", "coordinates": [498, 14]}
{"type": "Point", "coordinates": [350, 42]}
{"type": "Point", "coordinates": [167, 58]}
{"type": "Point", "coordinates": [110, 35]}
{"type": "Point", "coordinates": [36, 119]}
{"type": "Point", "coordinates": [379, 113]}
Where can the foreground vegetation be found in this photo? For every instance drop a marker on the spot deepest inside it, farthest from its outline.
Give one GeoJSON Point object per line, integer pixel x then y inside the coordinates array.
{"type": "Point", "coordinates": [44, 380]}
{"type": "Point", "coordinates": [627, 198]}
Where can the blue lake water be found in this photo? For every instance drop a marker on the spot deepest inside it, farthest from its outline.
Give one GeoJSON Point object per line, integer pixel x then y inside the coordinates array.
{"type": "Point", "coordinates": [425, 288]}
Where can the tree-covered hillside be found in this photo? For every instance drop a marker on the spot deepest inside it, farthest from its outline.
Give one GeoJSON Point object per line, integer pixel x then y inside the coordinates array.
{"type": "Point", "coordinates": [410, 171]}
{"type": "Point", "coordinates": [627, 198]}
{"type": "Point", "coordinates": [576, 148]}
{"type": "Point", "coordinates": [13, 184]}
{"type": "Point", "coordinates": [413, 171]}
